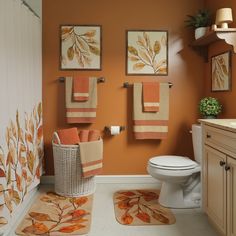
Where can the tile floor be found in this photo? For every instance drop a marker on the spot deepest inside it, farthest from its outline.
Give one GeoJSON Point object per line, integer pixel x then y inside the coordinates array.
{"type": "Point", "coordinates": [188, 222]}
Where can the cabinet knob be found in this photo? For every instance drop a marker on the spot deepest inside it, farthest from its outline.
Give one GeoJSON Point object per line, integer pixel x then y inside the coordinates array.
{"type": "Point", "coordinates": [227, 168]}
{"type": "Point", "coordinates": [208, 136]}
{"type": "Point", "coordinates": [222, 163]}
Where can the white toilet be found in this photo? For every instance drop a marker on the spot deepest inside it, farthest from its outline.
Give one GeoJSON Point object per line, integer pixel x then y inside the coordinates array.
{"type": "Point", "coordinates": [180, 176]}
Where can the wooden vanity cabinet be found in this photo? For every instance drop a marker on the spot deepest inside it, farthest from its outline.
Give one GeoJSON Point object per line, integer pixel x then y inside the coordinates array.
{"type": "Point", "coordinates": [231, 197]}
{"type": "Point", "coordinates": [219, 178]}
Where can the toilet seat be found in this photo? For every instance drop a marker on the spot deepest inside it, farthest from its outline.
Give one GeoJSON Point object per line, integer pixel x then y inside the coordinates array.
{"type": "Point", "coordinates": [172, 163]}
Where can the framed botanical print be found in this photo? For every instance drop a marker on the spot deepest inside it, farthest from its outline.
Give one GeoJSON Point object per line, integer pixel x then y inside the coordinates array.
{"type": "Point", "coordinates": [80, 47]}
{"type": "Point", "coordinates": [221, 72]}
{"type": "Point", "coordinates": [147, 52]}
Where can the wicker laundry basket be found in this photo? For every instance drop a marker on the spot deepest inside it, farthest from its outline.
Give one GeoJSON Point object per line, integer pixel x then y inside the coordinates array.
{"type": "Point", "coordinates": [68, 171]}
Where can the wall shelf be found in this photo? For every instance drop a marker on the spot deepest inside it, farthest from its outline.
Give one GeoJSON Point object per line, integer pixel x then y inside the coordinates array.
{"type": "Point", "coordinates": [201, 44]}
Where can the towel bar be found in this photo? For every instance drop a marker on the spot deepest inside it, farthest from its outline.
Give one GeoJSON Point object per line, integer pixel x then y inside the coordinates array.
{"type": "Point", "coordinates": [99, 80]}
{"type": "Point", "coordinates": [127, 84]}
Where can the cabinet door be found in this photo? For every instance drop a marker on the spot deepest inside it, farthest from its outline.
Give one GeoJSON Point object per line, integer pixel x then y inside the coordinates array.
{"type": "Point", "coordinates": [231, 196]}
{"type": "Point", "coordinates": [214, 177]}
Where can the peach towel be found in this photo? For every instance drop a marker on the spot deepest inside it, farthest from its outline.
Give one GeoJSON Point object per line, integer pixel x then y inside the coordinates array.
{"type": "Point", "coordinates": [151, 96]}
{"type": "Point", "coordinates": [84, 135]}
{"type": "Point", "coordinates": [68, 136]}
{"type": "Point", "coordinates": [77, 111]}
{"type": "Point", "coordinates": [150, 125]}
{"type": "Point", "coordinates": [81, 89]}
{"type": "Point", "coordinates": [94, 135]}
{"type": "Point", "coordinates": [91, 154]}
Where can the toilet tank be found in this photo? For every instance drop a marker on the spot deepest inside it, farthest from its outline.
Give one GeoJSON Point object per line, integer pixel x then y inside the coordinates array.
{"type": "Point", "coordinates": [197, 142]}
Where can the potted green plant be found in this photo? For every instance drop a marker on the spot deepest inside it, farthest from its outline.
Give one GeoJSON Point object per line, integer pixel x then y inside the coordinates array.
{"type": "Point", "coordinates": [200, 22]}
{"type": "Point", "coordinates": [209, 107]}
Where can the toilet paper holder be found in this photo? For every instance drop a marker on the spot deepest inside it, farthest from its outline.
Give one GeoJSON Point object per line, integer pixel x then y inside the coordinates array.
{"type": "Point", "coordinates": [107, 129]}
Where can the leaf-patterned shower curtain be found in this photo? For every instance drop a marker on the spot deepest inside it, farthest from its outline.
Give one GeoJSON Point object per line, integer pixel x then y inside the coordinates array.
{"type": "Point", "coordinates": [21, 138]}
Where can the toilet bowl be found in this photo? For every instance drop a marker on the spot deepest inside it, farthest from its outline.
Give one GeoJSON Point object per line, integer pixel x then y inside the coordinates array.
{"type": "Point", "coordinates": [180, 176]}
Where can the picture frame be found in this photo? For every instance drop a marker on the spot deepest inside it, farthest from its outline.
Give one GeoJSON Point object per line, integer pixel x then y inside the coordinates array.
{"type": "Point", "coordinates": [221, 72]}
{"type": "Point", "coordinates": [81, 47]}
{"type": "Point", "coordinates": [147, 52]}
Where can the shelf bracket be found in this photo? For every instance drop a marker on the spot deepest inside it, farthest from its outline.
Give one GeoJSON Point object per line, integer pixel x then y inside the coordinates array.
{"type": "Point", "coordinates": [229, 37]}
{"type": "Point", "coordinates": [201, 51]}
{"type": "Point", "coordinates": [201, 45]}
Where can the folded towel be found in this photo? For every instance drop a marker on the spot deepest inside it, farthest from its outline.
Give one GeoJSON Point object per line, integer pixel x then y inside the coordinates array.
{"type": "Point", "coordinates": [151, 125]}
{"type": "Point", "coordinates": [151, 96]}
{"type": "Point", "coordinates": [84, 135]}
{"type": "Point", "coordinates": [81, 89]}
{"type": "Point", "coordinates": [68, 136]}
{"type": "Point", "coordinates": [91, 154]}
{"type": "Point", "coordinates": [81, 112]}
{"type": "Point", "coordinates": [94, 135]}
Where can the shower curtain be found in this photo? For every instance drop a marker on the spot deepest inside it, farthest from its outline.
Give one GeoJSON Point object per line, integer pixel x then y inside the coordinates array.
{"type": "Point", "coordinates": [21, 136]}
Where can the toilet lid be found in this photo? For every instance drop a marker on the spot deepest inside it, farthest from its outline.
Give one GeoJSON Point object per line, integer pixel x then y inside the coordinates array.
{"type": "Point", "coordinates": [173, 162]}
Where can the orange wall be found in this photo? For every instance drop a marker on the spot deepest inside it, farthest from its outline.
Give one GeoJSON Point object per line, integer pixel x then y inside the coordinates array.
{"type": "Point", "coordinates": [123, 154]}
{"type": "Point", "coordinates": [226, 98]}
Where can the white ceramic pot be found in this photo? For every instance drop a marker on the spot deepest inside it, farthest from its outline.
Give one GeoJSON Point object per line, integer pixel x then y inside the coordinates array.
{"type": "Point", "coordinates": [199, 32]}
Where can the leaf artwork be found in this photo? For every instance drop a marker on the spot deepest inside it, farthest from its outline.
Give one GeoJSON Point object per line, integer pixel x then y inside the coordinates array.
{"type": "Point", "coordinates": [56, 215]}
{"type": "Point", "coordinates": [19, 160]}
{"type": "Point", "coordinates": [2, 173]}
{"type": "Point", "coordinates": [80, 47]}
{"type": "Point", "coordinates": [3, 221]}
{"type": "Point", "coordinates": [141, 207]}
{"type": "Point", "coordinates": [220, 72]}
{"type": "Point", "coordinates": [147, 52]}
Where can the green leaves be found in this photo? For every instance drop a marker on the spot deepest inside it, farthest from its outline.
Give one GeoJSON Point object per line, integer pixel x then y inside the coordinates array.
{"type": "Point", "coordinates": [209, 106]}
{"type": "Point", "coordinates": [201, 19]}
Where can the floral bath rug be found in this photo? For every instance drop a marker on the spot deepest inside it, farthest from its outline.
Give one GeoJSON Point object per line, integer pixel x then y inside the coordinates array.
{"type": "Point", "coordinates": [141, 207]}
{"type": "Point", "coordinates": [54, 215]}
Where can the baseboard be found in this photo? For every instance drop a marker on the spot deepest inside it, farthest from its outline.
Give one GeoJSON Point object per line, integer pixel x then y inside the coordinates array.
{"type": "Point", "coordinates": [113, 179]}
{"type": "Point", "coordinates": [21, 211]}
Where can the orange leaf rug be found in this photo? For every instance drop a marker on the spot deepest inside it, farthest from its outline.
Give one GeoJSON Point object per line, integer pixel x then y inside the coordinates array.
{"type": "Point", "coordinates": [54, 215]}
{"type": "Point", "coordinates": [141, 207]}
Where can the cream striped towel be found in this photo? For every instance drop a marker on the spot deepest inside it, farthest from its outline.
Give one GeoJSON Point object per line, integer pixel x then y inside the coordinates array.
{"type": "Point", "coordinates": [149, 125]}
{"type": "Point", "coordinates": [81, 112]}
{"type": "Point", "coordinates": [91, 154]}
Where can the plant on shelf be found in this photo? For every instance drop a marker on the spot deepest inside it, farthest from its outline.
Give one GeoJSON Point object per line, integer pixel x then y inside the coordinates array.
{"type": "Point", "coordinates": [199, 22]}
{"type": "Point", "coordinates": [210, 107]}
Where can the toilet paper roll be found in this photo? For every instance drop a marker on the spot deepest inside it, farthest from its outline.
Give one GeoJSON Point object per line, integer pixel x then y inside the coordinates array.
{"type": "Point", "coordinates": [115, 130]}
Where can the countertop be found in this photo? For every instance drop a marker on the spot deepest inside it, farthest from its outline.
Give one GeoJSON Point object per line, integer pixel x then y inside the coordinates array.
{"type": "Point", "coordinates": [226, 124]}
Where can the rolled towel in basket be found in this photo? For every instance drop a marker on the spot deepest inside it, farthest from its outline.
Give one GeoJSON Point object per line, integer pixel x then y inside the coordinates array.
{"type": "Point", "coordinates": [91, 154]}
{"type": "Point", "coordinates": [68, 136]}
{"type": "Point", "coordinates": [83, 135]}
{"type": "Point", "coordinates": [94, 135]}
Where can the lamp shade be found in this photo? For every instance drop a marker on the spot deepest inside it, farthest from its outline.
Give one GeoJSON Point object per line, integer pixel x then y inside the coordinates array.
{"type": "Point", "coordinates": [224, 16]}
